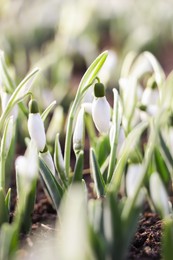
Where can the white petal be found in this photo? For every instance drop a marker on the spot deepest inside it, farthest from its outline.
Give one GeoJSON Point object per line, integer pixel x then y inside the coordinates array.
{"type": "Point", "coordinates": [87, 107]}
{"type": "Point", "coordinates": [36, 130]}
{"type": "Point", "coordinates": [47, 158]}
{"type": "Point", "coordinates": [150, 97]}
{"type": "Point", "coordinates": [101, 114]}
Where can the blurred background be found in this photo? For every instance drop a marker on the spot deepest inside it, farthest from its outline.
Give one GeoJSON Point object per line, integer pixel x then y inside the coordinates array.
{"type": "Point", "coordinates": [62, 37]}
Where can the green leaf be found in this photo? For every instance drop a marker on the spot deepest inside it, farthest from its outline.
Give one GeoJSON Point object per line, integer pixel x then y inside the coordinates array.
{"type": "Point", "coordinates": [7, 199]}
{"type": "Point", "coordinates": [116, 118]}
{"type": "Point", "coordinates": [6, 78]}
{"type": "Point", "coordinates": [52, 186]}
{"type": "Point", "coordinates": [3, 208]}
{"type": "Point", "coordinates": [129, 145]}
{"type": "Point", "coordinates": [97, 176]}
{"type": "Point", "coordinates": [78, 171]}
{"type": "Point", "coordinates": [59, 161]}
{"type": "Point", "coordinates": [102, 149]}
{"type": "Point", "coordinates": [167, 154]}
{"type": "Point", "coordinates": [85, 83]}
{"type": "Point", "coordinates": [93, 70]}
{"type": "Point", "coordinates": [8, 241]}
{"type": "Point", "coordinates": [116, 227]}
{"type": "Point", "coordinates": [47, 111]}
{"type": "Point", "coordinates": [167, 239]}
{"type": "Point", "coordinates": [161, 166]}
{"type": "Point", "coordinates": [19, 93]}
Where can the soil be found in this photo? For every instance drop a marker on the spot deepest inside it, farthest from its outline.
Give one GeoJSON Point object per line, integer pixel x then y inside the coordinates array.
{"type": "Point", "coordinates": [145, 245]}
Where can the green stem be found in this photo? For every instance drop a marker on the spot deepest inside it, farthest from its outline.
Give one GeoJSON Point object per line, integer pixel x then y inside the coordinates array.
{"type": "Point", "coordinates": [2, 173]}
{"type": "Point", "coordinates": [112, 161]}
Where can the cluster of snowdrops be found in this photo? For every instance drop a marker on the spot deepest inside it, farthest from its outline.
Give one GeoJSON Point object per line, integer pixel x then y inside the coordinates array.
{"type": "Point", "coordinates": [131, 160]}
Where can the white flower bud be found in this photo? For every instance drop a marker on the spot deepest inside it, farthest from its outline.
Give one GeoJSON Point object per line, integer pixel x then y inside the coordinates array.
{"type": "Point", "coordinates": [78, 136]}
{"type": "Point", "coordinates": [47, 158]}
{"type": "Point", "coordinates": [158, 194]}
{"type": "Point", "coordinates": [101, 114]}
{"type": "Point", "coordinates": [36, 130]}
{"type": "Point", "coordinates": [9, 135]}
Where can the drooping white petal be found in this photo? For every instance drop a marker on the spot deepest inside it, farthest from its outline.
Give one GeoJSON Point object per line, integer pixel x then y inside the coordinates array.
{"type": "Point", "coordinates": [101, 114]}
{"type": "Point", "coordinates": [151, 111]}
{"type": "Point", "coordinates": [150, 97]}
{"type": "Point", "coordinates": [37, 131]}
{"type": "Point", "coordinates": [47, 158]}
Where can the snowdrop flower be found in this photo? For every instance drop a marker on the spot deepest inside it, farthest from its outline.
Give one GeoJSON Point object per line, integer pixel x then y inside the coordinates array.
{"type": "Point", "coordinates": [158, 194]}
{"type": "Point", "coordinates": [36, 126]}
{"type": "Point", "coordinates": [78, 136]}
{"type": "Point", "coordinates": [47, 158]}
{"type": "Point", "coordinates": [133, 177]}
{"type": "Point", "coordinates": [101, 109]}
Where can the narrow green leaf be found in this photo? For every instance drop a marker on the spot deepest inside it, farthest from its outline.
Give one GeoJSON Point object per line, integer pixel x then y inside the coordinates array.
{"type": "Point", "coordinates": [78, 171]}
{"type": "Point", "coordinates": [129, 145]}
{"type": "Point", "coordinates": [3, 209]}
{"type": "Point", "coordinates": [6, 78]}
{"type": "Point", "coordinates": [97, 176]}
{"type": "Point", "coordinates": [116, 124]}
{"type": "Point", "coordinates": [47, 111]}
{"type": "Point", "coordinates": [116, 227]}
{"type": "Point", "coordinates": [93, 70]}
{"type": "Point", "coordinates": [161, 166]}
{"type": "Point", "coordinates": [7, 199]}
{"type": "Point", "coordinates": [19, 93]}
{"type": "Point", "coordinates": [167, 239]}
{"type": "Point", "coordinates": [8, 241]}
{"type": "Point", "coordinates": [59, 161]}
{"type": "Point", "coordinates": [52, 186]}
{"type": "Point", "coordinates": [85, 83]}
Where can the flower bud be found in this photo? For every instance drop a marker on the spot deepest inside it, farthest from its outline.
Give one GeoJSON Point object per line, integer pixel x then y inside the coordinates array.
{"type": "Point", "coordinates": [150, 96]}
{"type": "Point", "coordinates": [36, 126]}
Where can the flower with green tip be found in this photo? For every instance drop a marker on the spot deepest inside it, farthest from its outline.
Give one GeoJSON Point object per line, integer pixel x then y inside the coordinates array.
{"type": "Point", "coordinates": [36, 126]}
{"type": "Point", "coordinates": [101, 112]}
